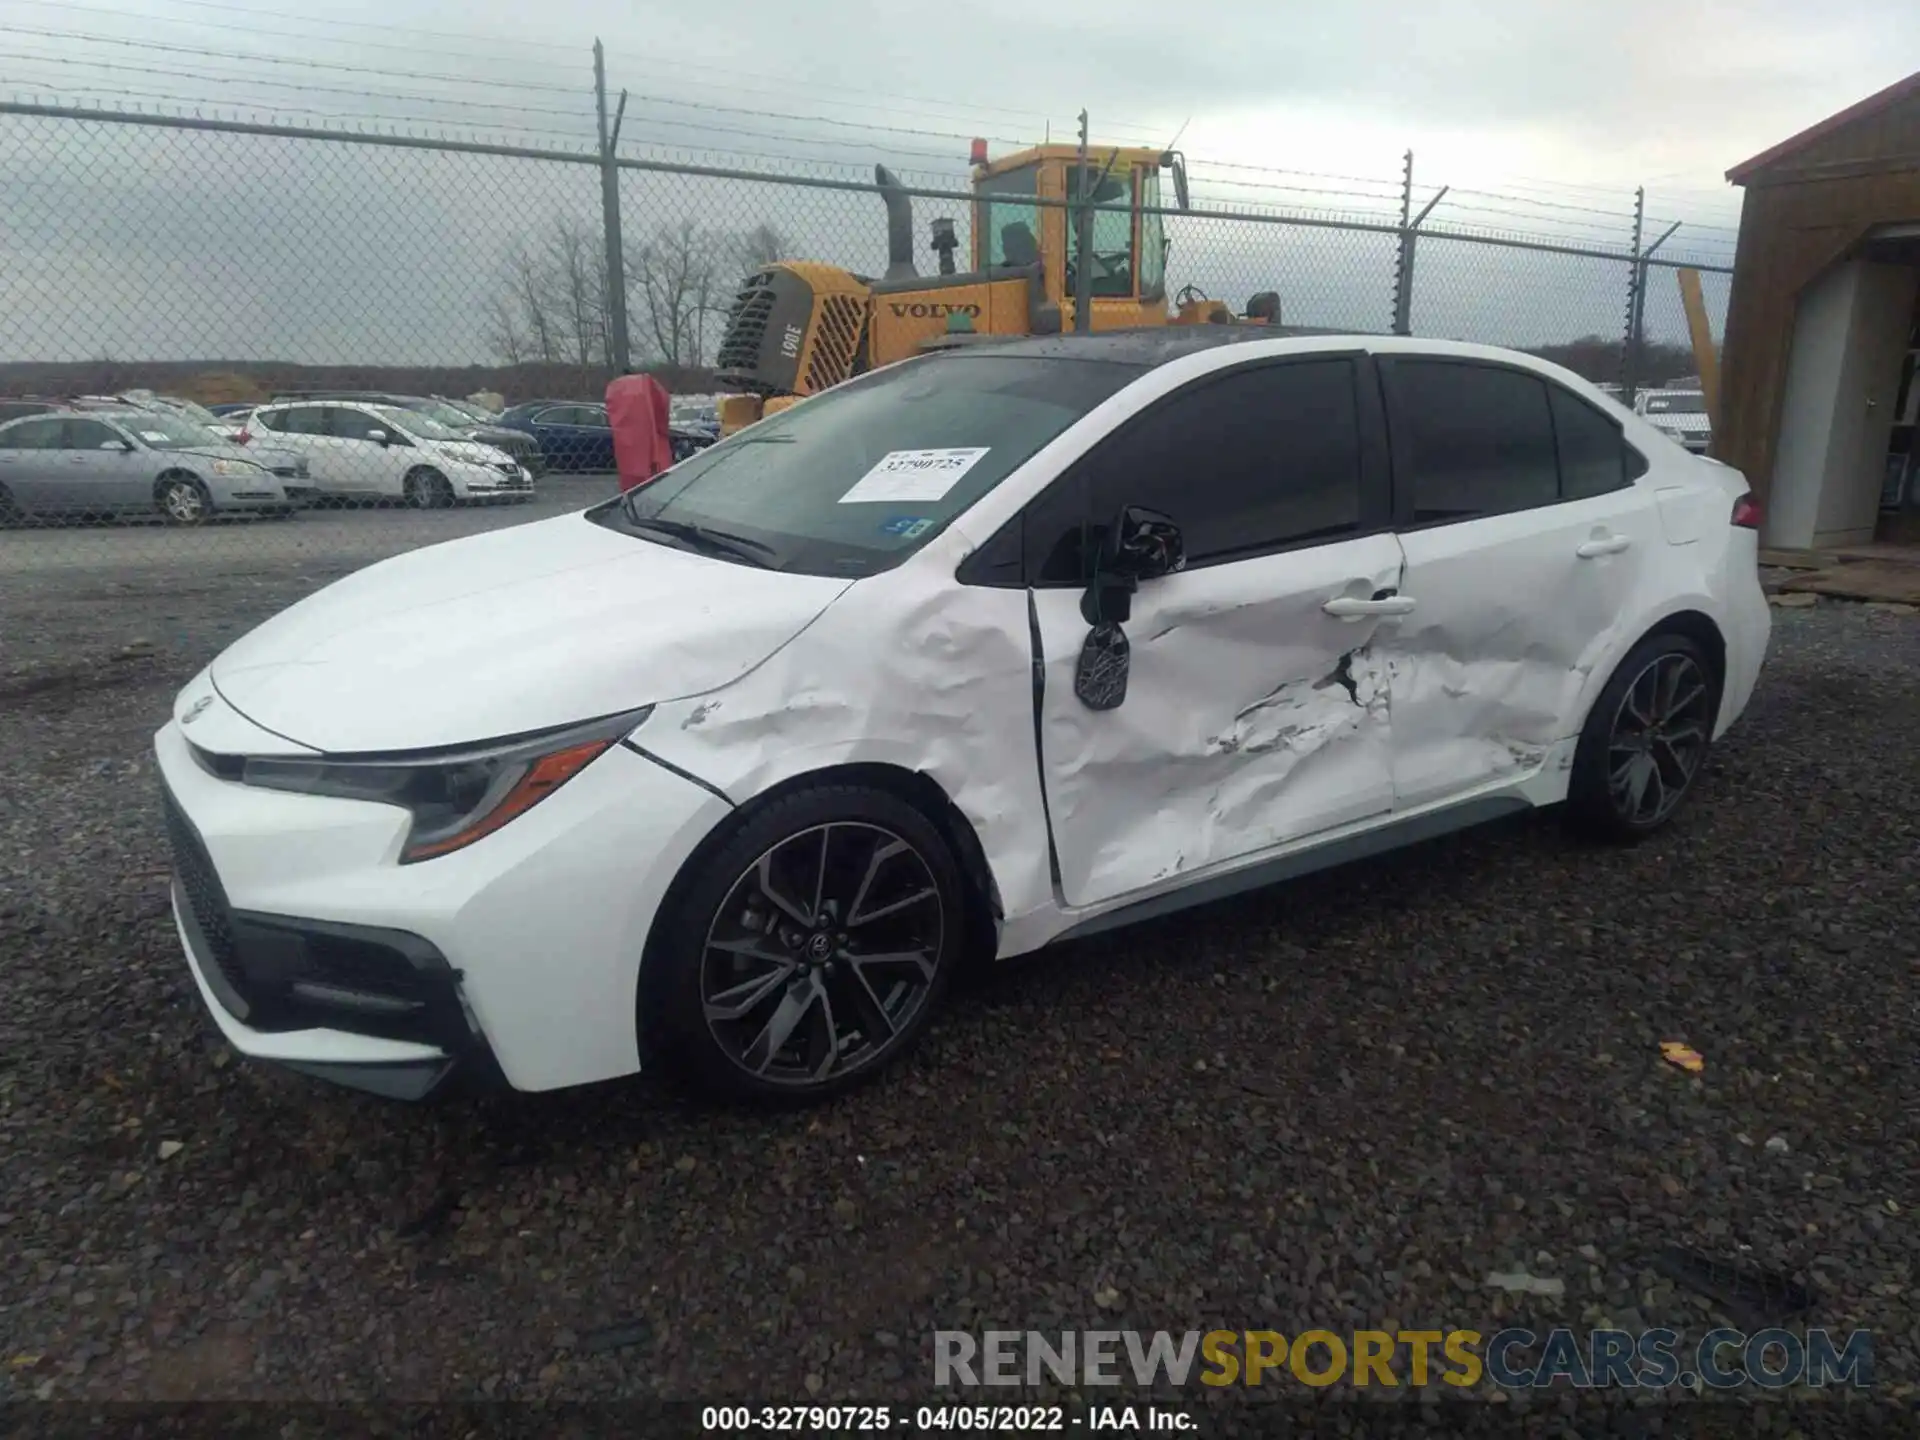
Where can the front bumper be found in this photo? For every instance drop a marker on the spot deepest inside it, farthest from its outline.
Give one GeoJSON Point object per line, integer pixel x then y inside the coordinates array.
{"type": "Point", "coordinates": [486, 482]}
{"type": "Point", "coordinates": [515, 959]}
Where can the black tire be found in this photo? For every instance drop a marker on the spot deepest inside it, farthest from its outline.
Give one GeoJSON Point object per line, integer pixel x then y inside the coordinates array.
{"type": "Point", "coordinates": [1646, 741]}
{"type": "Point", "coordinates": [426, 489]}
{"type": "Point", "coordinates": [684, 968]}
{"type": "Point", "coordinates": [182, 500]}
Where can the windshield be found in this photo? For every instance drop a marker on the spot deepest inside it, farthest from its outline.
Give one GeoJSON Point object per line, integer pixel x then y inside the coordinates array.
{"type": "Point", "coordinates": [443, 413]}
{"type": "Point", "coordinates": [854, 480]}
{"type": "Point", "coordinates": [1676, 405]}
{"type": "Point", "coordinates": [422, 427]}
{"type": "Point", "coordinates": [159, 430]}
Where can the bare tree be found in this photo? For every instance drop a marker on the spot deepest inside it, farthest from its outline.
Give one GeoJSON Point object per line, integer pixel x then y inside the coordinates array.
{"type": "Point", "coordinates": [579, 282]}
{"type": "Point", "coordinates": [674, 271]}
{"type": "Point", "coordinates": [758, 246]}
{"type": "Point", "coordinates": [506, 336]}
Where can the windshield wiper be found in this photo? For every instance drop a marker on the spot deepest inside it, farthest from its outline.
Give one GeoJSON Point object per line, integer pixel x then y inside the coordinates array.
{"type": "Point", "coordinates": [716, 542]}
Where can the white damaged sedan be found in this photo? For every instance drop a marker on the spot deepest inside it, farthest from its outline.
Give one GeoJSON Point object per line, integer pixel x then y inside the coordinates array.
{"type": "Point", "coordinates": [976, 652]}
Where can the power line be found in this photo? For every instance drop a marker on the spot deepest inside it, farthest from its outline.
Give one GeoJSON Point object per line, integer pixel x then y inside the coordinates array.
{"type": "Point", "coordinates": [257, 59]}
{"type": "Point", "coordinates": [229, 77]}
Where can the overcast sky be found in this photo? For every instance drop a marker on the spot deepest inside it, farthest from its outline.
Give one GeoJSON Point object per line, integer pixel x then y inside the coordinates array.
{"type": "Point", "coordinates": [1542, 115]}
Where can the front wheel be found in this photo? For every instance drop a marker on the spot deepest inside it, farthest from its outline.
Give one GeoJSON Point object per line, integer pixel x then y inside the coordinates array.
{"type": "Point", "coordinates": [428, 490]}
{"type": "Point", "coordinates": [809, 951]}
{"type": "Point", "coordinates": [1646, 741]}
{"type": "Point", "coordinates": [183, 500]}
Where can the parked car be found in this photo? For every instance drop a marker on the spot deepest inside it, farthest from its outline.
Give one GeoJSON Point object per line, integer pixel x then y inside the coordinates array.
{"type": "Point", "coordinates": [128, 462]}
{"type": "Point", "coordinates": [234, 407]}
{"type": "Point", "coordinates": [516, 443]}
{"type": "Point", "coordinates": [1680, 415]}
{"type": "Point", "coordinates": [383, 452]}
{"type": "Point", "coordinates": [289, 466]}
{"type": "Point", "coordinates": [574, 435]}
{"type": "Point", "coordinates": [987, 648]}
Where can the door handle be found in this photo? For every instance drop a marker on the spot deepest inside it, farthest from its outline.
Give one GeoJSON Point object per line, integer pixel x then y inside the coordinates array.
{"type": "Point", "coordinates": [1610, 545]}
{"type": "Point", "coordinates": [1346, 607]}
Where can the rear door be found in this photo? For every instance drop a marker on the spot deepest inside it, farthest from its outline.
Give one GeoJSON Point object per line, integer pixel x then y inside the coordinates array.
{"type": "Point", "coordinates": [31, 464]}
{"type": "Point", "coordinates": [1526, 542]}
{"type": "Point", "coordinates": [1253, 713]}
{"type": "Point", "coordinates": [558, 430]}
{"type": "Point", "coordinates": [299, 429]}
{"type": "Point", "coordinates": [111, 476]}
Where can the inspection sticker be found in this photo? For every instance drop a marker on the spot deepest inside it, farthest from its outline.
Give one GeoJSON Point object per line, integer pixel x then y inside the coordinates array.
{"type": "Point", "coordinates": [913, 475]}
{"type": "Point", "coordinates": [908, 526]}
{"type": "Point", "coordinates": [156, 437]}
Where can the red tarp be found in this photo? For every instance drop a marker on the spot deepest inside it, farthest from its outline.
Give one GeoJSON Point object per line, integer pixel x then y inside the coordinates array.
{"type": "Point", "coordinates": [637, 410]}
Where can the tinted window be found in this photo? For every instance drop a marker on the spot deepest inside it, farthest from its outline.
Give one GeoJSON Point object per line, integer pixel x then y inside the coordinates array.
{"type": "Point", "coordinates": [1477, 440]}
{"type": "Point", "coordinates": [560, 415]}
{"type": "Point", "coordinates": [14, 409]}
{"type": "Point", "coordinates": [852, 480]}
{"type": "Point", "coordinates": [88, 435]}
{"type": "Point", "coordinates": [594, 415]}
{"type": "Point", "coordinates": [32, 435]}
{"type": "Point", "coordinates": [345, 424]}
{"type": "Point", "coordinates": [1593, 453]}
{"type": "Point", "coordinates": [1244, 463]}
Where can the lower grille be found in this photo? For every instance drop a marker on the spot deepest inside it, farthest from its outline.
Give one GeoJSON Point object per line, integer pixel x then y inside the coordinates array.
{"type": "Point", "coordinates": [200, 883]}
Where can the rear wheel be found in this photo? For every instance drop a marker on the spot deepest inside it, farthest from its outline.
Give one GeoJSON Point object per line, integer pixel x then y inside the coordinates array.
{"type": "Point", "coordinates": [428, 490]}
{"type": "Point", "coordinates": [183, 500]}
{"type": "Point", "coordinates": [809, 951]}
{"type": "Point", "coordinates": [1646, 741]}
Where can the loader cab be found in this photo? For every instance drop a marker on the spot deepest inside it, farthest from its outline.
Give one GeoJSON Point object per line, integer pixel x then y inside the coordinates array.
{"type": "Point", "coordinates": [1023, 212]}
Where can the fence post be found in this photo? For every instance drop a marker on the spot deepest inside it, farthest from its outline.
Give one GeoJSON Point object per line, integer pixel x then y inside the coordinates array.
{"type": "Point", "coordinates": [619, 358]}
{"type": "Point", "coordinates": [1636, 281]}
{"type": "Point", "coordinates": [1403, 263]}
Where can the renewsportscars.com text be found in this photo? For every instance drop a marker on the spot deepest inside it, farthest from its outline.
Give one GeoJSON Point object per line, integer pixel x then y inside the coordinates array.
{"type": "Point", "coordinates": [1462, 1359]}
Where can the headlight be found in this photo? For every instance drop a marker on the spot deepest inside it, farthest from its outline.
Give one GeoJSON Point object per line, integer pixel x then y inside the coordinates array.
{"type": "Point", "coordinates": [237, 467]}
{"type": "Point", "coordinates": [454, 796]}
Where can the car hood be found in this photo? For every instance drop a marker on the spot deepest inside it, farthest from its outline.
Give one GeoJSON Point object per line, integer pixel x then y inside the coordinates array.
{"type": "Point", "coordinates": [217, 452]}
{"type": "Point", "coordinates": [512, 631]}
{"type": "Point", "coordinates": [473, 450]}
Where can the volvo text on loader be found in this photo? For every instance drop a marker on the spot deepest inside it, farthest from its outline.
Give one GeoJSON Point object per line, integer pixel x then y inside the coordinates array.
{"type": "Point", "coordinates": [798, 327]}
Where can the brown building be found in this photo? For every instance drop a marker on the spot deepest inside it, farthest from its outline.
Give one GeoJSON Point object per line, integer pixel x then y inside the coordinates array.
{"type": "Point", "coordinates": [1818, 395]}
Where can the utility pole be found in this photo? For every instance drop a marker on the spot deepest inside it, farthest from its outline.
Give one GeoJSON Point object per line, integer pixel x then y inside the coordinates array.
{"type": "Point", "coordinates": [1083, 242]}
{"type": "Point", "coordinates": [619, 358]}
{"type": "Point", "coordinates": [1409, 233]}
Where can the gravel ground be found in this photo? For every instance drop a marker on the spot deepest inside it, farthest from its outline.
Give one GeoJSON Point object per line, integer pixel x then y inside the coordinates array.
{"type": "Point", "coordinates": [1339, 1104]}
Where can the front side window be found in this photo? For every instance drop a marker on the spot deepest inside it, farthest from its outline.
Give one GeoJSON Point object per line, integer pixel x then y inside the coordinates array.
{"type": "Point", "coordinates": [91, 435]}
{"type": "Point", "coordinates": [1010, 202]}
{"type": "Point", "coordinates": [397, 421]}
{"type": "Point", "coordinates": [560, 415]}
{"type": "Point", "coordinates": [1112, 229]}
{"type": "Point", "coordinates": [1246, 463]}
{"type": "Point", "coordinates": [854, 479]}
{"type": "Point", "coordinates": [1475, 439]}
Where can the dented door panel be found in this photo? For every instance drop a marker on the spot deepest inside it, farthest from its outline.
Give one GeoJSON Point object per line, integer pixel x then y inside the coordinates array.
{"type": "Point", "coordinates": [1251, 718]}
{"type": "Point", "coordinates": [1487, 670]}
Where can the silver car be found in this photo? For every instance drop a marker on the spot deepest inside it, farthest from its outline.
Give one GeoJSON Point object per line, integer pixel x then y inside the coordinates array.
{"type": "Point", "coordinates": [129, 462]}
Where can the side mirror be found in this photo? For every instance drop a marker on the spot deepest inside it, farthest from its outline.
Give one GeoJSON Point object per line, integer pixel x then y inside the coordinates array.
{"type": "Point", "coordinates": [1142, 545]}
{"type": "Point", "coordinates": [380, 437]}
{"type": "Point", "coordinates": [125, 447]}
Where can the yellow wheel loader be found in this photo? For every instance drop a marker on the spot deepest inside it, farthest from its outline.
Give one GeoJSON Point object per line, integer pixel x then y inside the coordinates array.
{"type": "Point", "coordinates": [798, 327]}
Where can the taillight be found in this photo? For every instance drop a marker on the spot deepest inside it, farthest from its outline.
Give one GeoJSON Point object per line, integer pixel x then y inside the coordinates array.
{"type": "Point", "coordinates": [1746, 512]}
{"type": "Point", "coordinates": [243, 437]}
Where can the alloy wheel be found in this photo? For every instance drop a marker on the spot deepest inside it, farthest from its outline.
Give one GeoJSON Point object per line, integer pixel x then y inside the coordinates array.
{"type": "Point", "coordinates": [1660, 733]}
{"type": "Point", "coordinates": [822, 953]}
{"type": "Point", "coordinates": [183, 502]}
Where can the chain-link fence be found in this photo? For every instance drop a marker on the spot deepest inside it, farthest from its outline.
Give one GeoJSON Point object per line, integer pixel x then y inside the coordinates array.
{"type": "Point", "coordinates": [239, 345]}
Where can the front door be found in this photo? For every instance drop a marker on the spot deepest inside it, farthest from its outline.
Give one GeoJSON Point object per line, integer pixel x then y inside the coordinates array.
{"type": "Point", "coordinates": [111, 476]}
{"type": "Point", "coordinates": [1252, 713]}
{"type": "Point", "coordinates": [1525, 537]}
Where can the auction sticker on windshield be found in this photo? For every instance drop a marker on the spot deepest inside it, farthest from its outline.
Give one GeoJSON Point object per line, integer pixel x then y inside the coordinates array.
{"type": "Point", "coordinates": [913, 475]}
